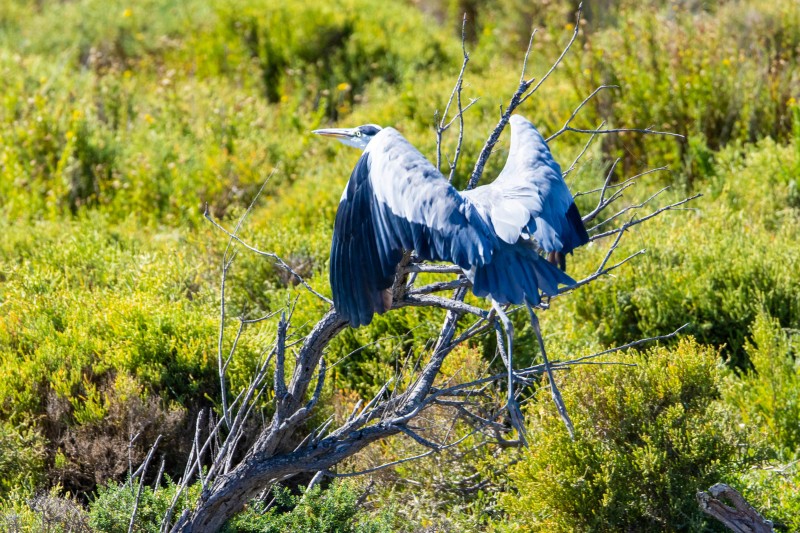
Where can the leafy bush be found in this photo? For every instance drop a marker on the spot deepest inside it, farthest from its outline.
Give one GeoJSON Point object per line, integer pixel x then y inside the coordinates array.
{"type": "Point", "coordinates": [716, 267]}
{"type": "Point", "coordinates": [735, 82]}
{"type": "Point", "coordinates": [333, 510]}
{"type": "Point", "coordinates": [111, 510]}
{"type": "Point", "coordinates": [119, 121]}
{"type": "Point", "coordinates": [767, 398]}
{"type": "Point", "coordinates": [768, 394]}
{"type": "Point", "coordinates": [326, 53]}
{"type": "Point", "coordinates": [22, 453]}
{"type": "Point", "coordinates": [775, 492]}
{"type": "Point", "coordinates": [43, 512]}
{"type": "Point", "coordinates": [647, 438]}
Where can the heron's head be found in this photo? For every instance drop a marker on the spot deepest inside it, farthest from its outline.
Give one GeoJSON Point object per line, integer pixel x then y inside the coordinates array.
{"type": "Point", "coordinates": [358, 137]}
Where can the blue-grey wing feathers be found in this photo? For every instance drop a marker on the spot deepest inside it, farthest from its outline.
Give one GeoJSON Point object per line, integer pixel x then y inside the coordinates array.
{"type": "Point", "coordinates": [397, 200]}
{"type": "Point", "coordinates": [530, 197]}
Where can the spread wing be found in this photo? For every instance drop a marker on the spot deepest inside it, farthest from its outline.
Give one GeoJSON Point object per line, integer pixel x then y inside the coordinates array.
{"type": "Point", "coordinates": [397, 200]}
{"type": "Point", "coordinates": [530, 197]}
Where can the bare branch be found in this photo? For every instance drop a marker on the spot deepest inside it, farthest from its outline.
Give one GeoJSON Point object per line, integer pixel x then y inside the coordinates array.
{"type": "Point", "coordinates": [625, 346]}
{"type": "Point", "coordinates": [597, 274]}
{"type": "Point", "coordinates": [418, 438]}
{"type": "Point", "coordinates": [280, 373]}
{"type": "Point", "coordinates": [441, 286]}
{"type": "Point", "coordinates": [622, 183]}
{"type": "Point", "coordinates": [143, 469]}
{"type": "Point", "coordinates": [278, 261]}
{"type": "Point", "coordinates": [434, 269]}
{"type": "Point", "coordinates": [517, 98]}
{"type": "Point", "coordinates": [646, 131]}
{"type": "Point", "coordinates": [157, 482]}
{"type": "Point", "coordinates": [441, 127]}
{"type": "Point", "coordinates": [442, 303]}
{"type": "Point", "coordinates": [525, 59]}
{"type": "Point", "coordinates": [585, 148]}
{"type": "Point", "coordinates": [741, 518]}
{"type": "Point", "coordinates": [557, 399]}
{"type": "Point", "coordinates": [601, 204]}
{"type": "Point", "coordinates": [611, 249]}
{"type": "Point", "coordinates": [405, 460]}
{"type": "Point", "coordinates": [645, 218]}
{"type": "Point", "coordinates": [561, 57]}
{"type": "Point", "coordinates": [578, 109]}
{"type": "Point", "coordinates": [628, 208]}
{"type": "Point", "coordinates": [457, 153]}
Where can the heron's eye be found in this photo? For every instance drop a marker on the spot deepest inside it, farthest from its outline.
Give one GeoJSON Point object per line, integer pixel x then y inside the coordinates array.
{"type": "Point", "coordinates": [358, 134]}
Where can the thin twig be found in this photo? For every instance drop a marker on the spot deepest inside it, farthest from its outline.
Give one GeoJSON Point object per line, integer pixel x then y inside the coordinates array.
{"type": "Point", "coordinates": [441, 127]}
{"type": "Point", "coordinates": [561, 57]}
{"type": "Point", "coordinates": [628, 208]}
{"type": "Point", "coordinates": [644, 219]}
{"type": "Point", "coordinates": [141, 484]}
{"type": "Point", "coordinates": [557, 399]}
{"type": "Point", "coordinates": [626, 346]}
{"type": "Point", "coordinates": [280, 262]}
{"type": "Point", "coordinates": [461, 109]}
{"type": "Point", "coordinates": [646, 131]}
{"type": "Point", "coordinates": [578, 109]}
{"type": "Point", "coordinates": [622, 183]}
{"type": "Point", "coordinates": [585, 148]}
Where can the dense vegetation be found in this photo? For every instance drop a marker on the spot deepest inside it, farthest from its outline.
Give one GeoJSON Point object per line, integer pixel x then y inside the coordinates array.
{"type": "Point", "coordinates": [120, 121]}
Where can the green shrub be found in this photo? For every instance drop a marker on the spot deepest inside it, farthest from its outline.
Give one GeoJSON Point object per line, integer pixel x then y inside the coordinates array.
{"type": "Point", "coordinates": [735, 82]}
{"type": "Point", "coordinates": [716, 266]}
{"type": "Point", "coordinates": [43, 512]}
{"type": "Point", "coordinates": [111, 509]}
{"type": "Point", "coordinates": [768, 394]}
{"type": "Point", "coordinates": [326, 53]}
{"type": "Point", "coordinates": [767, 398]}
{"type": "Point", "coordinates": [775, 492]}
{"type": "Point", "coordinates": [647, 438]}
{"type": "Point", "coordinates": [22, 454]}
{"type": "Point", "coordinates": [333, 510]}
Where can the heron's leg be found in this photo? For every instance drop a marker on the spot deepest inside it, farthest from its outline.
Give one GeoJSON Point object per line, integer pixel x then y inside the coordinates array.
{"type": "Point", "coordinates": [562, 409]}
{"type": "Point", "coordinates": [511, 403]}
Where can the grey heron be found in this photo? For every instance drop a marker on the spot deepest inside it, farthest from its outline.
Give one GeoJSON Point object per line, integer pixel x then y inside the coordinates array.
{"type": "Point", "coordinates": [397, 201]}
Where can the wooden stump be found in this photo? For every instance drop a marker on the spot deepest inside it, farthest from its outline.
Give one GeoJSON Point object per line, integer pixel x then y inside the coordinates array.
{"type": "Point", "coordinates": [741, 518]}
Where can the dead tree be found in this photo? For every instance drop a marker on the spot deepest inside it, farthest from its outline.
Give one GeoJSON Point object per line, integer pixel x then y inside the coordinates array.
{"type": "Point", "coordinates": [741, 518]}
{"type": "Point", "coordinates": [232, 474]}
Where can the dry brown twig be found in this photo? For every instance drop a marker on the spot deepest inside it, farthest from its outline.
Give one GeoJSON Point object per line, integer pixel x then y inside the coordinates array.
{"type": "Point", "coordinates": [231, 474]}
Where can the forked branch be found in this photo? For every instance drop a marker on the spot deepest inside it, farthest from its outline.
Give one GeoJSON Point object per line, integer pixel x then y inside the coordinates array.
{"type": "Point", "coordinates": [289, 378]}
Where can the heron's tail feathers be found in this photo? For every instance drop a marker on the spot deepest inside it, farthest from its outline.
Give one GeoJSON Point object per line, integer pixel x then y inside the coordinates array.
{"type": "Point", "coordinates": [516, 275]}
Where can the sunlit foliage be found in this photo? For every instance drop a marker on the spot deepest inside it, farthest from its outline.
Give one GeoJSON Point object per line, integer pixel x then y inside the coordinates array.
{"type": "Point", "coordinates": [121, 121]}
